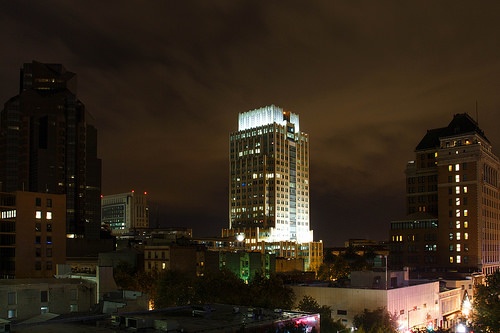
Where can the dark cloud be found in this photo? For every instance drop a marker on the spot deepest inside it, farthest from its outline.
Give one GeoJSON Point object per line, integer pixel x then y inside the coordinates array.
{"type": "Point", "coordinates": [165, 81]}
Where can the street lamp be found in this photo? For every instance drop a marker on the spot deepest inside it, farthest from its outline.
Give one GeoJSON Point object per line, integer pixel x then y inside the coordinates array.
{"type": "Point", "coordinates": [348, 328]}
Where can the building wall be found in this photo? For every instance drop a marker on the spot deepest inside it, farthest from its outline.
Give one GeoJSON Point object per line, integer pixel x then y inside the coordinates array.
{"type": "Point", "coordinates": [246, 264]}
{"type": "Point", "coordinates": [21, 299]}
{"type": "Point", "coordinates": [285, 265]}
{"type": "Point", "coordinates": [310, 252]}
{"type": "Point", "coordinates": [414, 242]}
{"type": "Point", "coordinates": [33, 234]}
{"type": "Point", "coordinates": [346, 303]}
{"type": "Point", "coordinates": [125, 212]}
{"type": "Point", "coordinates": [172, 257]}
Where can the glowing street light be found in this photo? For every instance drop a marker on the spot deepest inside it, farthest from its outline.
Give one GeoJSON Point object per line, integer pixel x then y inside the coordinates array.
{"type": "Point", "coordinates": [461, 328]}
{"type": "Point", "coordinates": [466, 307]}
{"type": "Point", "coordinates": [349, 328]}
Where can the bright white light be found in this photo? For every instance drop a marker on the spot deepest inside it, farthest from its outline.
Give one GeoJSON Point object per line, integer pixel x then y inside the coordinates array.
{"type": "Point", "coordinates": [466, 307]}
{"type": "Point", "coordinates": [240, 237]}
{"type": "Point", "coordinates": [265, 116]}
{"type": "Point", "coordinates": [461, 328]}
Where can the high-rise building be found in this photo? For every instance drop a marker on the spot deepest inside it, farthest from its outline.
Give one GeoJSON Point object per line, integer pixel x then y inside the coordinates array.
{"type": "Point", "coordinates": [125, 213]}
{"type": "Point", "coordinates": [269, 186]}
{"type": "Point", "coordinates": [48, 145]}
{"type": "Point", "coordinates": [269, 176]}
{"type": "Point", "coordinates": [452, 202]}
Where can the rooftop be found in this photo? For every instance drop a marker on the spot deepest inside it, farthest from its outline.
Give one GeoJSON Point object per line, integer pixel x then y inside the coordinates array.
{"type": "Point", "coordinates": [213, 318]}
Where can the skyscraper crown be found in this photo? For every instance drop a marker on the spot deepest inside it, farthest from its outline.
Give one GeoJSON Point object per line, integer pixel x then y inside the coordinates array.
{"type": "Point", "coordinates": [265, 116]}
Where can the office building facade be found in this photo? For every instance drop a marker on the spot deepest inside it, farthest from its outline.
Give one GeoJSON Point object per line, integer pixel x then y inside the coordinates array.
{"type": "Point", "coordinates": [48, 145]}
{"type": "Point", "coordinates": [269, 187]}
{"type": "Point", "coordinates": [32, 234]}
{"type": "Point", "coordinates": [269, 176]}
{"type": "Point", "coordinates": [125, 213]}
{"type": "Point", "coordinates": [452, 202]}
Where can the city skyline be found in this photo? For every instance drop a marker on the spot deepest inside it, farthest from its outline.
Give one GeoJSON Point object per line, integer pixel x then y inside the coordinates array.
{"type": "Point", "coordinates": [165, 83]}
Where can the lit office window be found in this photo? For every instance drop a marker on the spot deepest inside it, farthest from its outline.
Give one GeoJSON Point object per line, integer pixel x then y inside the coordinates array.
{"type": "Point", "coordinates": [457, 167]}
{"type": "Point", "coordinates": [459, 259]}
{"type": "Point", "coordinates": [11, 314]}
{"type": "Point", "coordinates": [38, 214]}
{"type": "Point", "coordinates": [49, 216]}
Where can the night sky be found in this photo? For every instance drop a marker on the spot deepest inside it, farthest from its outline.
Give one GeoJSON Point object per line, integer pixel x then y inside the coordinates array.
{"type": "Point", "coordinates": [165, 81]}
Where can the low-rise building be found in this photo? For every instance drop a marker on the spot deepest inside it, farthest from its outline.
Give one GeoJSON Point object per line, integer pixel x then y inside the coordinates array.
{"type": "Point", "coordinates": [414, 304]}
{"type": "Point", "coordinates": [22, 299]}
{"type": "Point", "coordinates": [251, 239]}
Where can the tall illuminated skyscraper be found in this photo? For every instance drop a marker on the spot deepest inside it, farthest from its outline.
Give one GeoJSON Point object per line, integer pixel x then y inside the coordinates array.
{"type": "Point", "coordinates": [269, 177]}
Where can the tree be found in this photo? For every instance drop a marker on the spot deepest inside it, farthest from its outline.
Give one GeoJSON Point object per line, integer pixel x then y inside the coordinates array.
{"type": "Point", "coordinates": [486, 315]}
{"type": "Point", "coordinates": [124, 274]}
{"type": "Point", "coordinates": [128, 278]}
{"type": "Point", "coordinates": [377, 321]}
{"type": "Point", "coordinates": [271, 292]}
{"type": "Point", "coordinates": [221, 286]}
{"type": "Point", "coordinates": [309, 304]}
{"type": "Point", "coordinates": [334, 269]}
{"type": "Point", "coordinates": [174, 289]}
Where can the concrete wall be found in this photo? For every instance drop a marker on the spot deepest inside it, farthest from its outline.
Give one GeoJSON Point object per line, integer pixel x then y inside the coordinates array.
{"type": "Point", "coordinates": [59, 296]}
{"type": "Point", "coordinates": [349, 302]}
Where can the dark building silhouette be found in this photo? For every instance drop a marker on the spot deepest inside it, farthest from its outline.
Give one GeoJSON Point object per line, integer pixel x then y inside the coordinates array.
{"type": "Point", "coordinates": [452, 202]}
{"type": "Point", "coordinates": [47, 144]}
